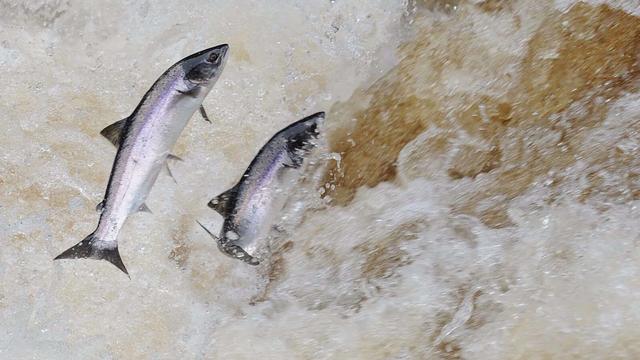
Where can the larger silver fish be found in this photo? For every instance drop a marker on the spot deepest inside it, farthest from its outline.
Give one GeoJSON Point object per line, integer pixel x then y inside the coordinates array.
{"type": "Point", "coordinates": [144, 141]}
{"type": "Point", "coordinates": [250, 206]}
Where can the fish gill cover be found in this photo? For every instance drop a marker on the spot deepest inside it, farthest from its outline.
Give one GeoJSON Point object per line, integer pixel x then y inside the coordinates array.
{"type": "Point", "coordinates": [480, 202]}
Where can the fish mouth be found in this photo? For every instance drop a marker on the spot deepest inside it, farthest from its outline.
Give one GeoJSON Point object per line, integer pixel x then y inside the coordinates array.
{"type": "Point", "coordinates": [223, 48]}
{"type": "Point", "coordinates": [220, 52]}
{"type": "Point", "coordinates": [239, 253]}
{"type": "Point", "coordinates": [199, 57]}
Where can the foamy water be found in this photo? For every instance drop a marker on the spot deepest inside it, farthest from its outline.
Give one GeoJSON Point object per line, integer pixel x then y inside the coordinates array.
{"type": "Point", "coordinates": [477, 196]}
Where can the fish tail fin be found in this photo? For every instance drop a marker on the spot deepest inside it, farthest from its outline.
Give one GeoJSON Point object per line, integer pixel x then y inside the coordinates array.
{"type": "Point", "coordinates": [87, 249]}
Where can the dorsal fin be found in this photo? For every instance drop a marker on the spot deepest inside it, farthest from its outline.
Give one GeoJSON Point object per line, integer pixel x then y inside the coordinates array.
{"type": "Point", "coordinates": [113, 132]}
{"type": "Point", "coordinates": [223, 202]}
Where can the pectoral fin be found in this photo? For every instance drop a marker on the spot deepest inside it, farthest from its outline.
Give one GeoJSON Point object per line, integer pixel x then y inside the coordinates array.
{"type": "Point", "coordinates": [208, 232]}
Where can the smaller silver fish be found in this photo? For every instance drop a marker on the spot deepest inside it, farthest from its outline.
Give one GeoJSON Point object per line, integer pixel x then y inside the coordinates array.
{"type": "Point", "coordinates": [250, 206]}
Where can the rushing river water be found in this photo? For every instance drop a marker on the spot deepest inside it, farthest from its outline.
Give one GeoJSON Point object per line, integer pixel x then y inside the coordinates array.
{"type": "Point", "coordinates": [476, 195]}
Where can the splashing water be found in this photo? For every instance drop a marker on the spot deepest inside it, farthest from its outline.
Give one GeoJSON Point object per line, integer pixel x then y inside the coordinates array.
{"type": "Point", "coordinates": [477, 199]}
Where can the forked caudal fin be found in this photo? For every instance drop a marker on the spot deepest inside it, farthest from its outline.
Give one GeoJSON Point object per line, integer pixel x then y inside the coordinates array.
{"type": "Point", "coordinates": [87, 249]}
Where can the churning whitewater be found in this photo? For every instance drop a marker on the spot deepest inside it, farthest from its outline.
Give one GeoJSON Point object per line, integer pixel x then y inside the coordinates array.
{"type": "Point", "coordinates": [476, 198]}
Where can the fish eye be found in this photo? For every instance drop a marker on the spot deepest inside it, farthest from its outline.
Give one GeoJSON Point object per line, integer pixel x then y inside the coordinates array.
{"type": "Point", "coordinates": [213, 57]}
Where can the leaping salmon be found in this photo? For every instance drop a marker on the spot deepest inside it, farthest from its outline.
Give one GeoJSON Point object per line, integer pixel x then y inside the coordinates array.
{"type": "Point", "coordinates": [144, 141]}
{"type": "Point", "coordinates": [250, 206]}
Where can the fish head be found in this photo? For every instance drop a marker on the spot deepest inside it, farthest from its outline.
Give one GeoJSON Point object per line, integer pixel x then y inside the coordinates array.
{"type": "Point", "coordinates": [202, 69]}
{"type": "Point", "coordinates": [299, 137]}
{"type": "Point", "coordinates": [308, 127]}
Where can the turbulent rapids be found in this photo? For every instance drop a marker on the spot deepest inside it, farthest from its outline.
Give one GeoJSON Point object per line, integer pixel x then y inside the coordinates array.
{"type": "Point", "coordinates": [477, 196]}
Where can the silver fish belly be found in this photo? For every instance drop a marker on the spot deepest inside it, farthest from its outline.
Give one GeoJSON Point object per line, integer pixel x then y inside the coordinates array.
{"type": "Point", "coordinates": [251, 206]}
{"type": "Point", "coordinates": [145, 139]}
